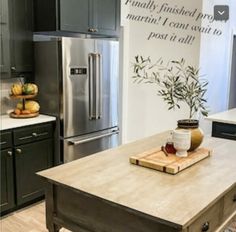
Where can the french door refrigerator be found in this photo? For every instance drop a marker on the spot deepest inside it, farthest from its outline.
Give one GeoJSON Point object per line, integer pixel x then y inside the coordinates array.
{"type": "Point", "coordinates": [78, 83]}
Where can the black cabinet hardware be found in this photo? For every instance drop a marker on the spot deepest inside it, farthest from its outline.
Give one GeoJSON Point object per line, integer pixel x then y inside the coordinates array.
{"type": "Point", "coordinates": [205, 226]}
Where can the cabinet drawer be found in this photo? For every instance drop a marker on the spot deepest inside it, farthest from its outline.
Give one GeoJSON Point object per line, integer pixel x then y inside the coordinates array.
{"type": "Point", "coordinates": [223, 130]}
{"type": "Point", "coordinates": [5, 140]}
{"type": "Point", "coordinates": [208, 221]}
{"type": "Point", "coordinates": [33, 133]}
{"type": "Point", "coordinates": [230, 202]}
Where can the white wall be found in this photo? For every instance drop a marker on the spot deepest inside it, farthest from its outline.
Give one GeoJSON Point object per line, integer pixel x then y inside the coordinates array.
{"type": "Point", "coordinates": [215, 59]}
{"type": "Point", "coordinates": [145, 113]}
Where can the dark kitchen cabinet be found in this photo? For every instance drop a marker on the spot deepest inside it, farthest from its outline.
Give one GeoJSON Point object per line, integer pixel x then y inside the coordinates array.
{"type": "Point", "coordinates": [4, 39]}
{"type": "Point", "coordinates": [106, 17]}
{"type": "Point", "coordinates": [7, 180]}
{"type": "Point", "coordinates": [16, 37]}
{"type": "Point", "coordinates": [96, 17]}
{"type": "Point", "coordinates": [74, 15]}
{"type": "Point", "coordinates": [31, 158]}
{"type": "Point", "coordinates": [25, 151]}
{"type": "Point", "coordinates": [7, 172]}
{"type": "Point", "coordinates": [21, 31]}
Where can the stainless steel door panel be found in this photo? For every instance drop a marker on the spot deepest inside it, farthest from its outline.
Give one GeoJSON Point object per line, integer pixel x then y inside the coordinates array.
{"type": "Point", "coordinates": [109, 51]}
{"type": "Point", "coordinates": [76, 115]}
{"type": "Point", "coordinates": [75, 87]}
{"type": "Point", "coordinates": [78, 147]}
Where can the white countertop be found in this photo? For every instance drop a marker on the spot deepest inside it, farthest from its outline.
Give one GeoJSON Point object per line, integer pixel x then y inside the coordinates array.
{"type": "Point", "coordinates": [228, 116]}
{"type": "Point", "coordinates": [9, 123]}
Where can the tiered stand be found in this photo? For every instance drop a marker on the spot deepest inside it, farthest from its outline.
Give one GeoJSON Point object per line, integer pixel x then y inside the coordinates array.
{"type": "Point", "coordinates": [23, 99]}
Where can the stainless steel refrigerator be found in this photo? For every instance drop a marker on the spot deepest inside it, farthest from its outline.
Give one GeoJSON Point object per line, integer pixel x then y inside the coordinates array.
{"type": "Point", "coordinates": [78, 83]}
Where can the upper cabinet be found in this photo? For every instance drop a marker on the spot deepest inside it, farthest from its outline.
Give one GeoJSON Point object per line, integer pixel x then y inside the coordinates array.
{"type": "Point", "coordinates": [96, 17]}
{"type": "Point", "coordinates": [4, 39]}
{"type": "Point", "coordinates": [16, 37]}
{"type": "Point", "coordinates": [21, 31]}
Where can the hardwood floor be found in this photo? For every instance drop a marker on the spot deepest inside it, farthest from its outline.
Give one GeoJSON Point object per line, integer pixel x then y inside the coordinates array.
{"type": "Point", "coordinates": [30, 219]}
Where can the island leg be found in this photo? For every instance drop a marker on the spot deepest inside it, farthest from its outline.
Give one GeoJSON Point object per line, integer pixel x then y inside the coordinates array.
{"type": "Point", "coordinates": [50, 212]}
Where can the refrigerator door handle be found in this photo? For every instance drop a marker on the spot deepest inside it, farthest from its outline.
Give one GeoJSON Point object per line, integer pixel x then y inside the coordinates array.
{"type": "Point", "coordinates": [98, 73]}
{"type": "Point", "coordinates": [92, 110]}
{"type": "Point", "coordinates": [72, 142]}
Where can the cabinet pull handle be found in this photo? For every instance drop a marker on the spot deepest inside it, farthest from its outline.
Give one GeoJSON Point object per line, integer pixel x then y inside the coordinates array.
{"type": "Point", "coordinates": [92, 30]}
{"type": "Point", "coordinates": [2, 143]}
{"type": "Point", "coordinates": [9, 153]}
{"type": "Point", "coordinates": [205, 226]}
{"type": "Point", "coordinates": [229, 134]}
{"type": "Point", "coordinates": [234, 198]}
{"type": "Point", "coordinates": [18, 151]}
{"type": "Point", "coordinates": [26, 137]}
{"type": "Point", "coordinates": [13, 69]}
{"type": "Point", "coordinates": [34, 134]}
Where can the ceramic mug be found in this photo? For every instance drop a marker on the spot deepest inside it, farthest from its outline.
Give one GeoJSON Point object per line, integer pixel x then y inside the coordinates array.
{"type": "Point", "coordinates": [182, 142]}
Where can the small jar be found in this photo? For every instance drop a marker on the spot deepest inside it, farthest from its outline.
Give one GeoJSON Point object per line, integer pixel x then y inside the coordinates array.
{"type": "Point", "coordinates": [169, 147]}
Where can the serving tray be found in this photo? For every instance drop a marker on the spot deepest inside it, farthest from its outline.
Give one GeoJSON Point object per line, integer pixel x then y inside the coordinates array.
{"type": "Point", "coordinates": [172, 164]}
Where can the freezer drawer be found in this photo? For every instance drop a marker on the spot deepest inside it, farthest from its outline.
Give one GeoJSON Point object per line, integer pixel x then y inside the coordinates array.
{"type": "Point", "coordinates": [81, 146]}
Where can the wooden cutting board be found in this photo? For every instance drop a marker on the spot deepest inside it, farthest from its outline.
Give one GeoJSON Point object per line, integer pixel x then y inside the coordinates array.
{"type": "Point", "coordinates": [172, 164]}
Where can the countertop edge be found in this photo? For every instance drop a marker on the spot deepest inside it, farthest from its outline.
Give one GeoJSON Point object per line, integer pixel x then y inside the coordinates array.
{"type": "Point", "coordinates": [7, 123]}
{"type": "Point", "coordinates": [226, 121]}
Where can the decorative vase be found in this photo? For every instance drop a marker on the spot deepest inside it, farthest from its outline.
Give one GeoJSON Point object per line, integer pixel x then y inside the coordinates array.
{"type": "Point", "coordinates": [182, 142]}
{"type": "Point", "coordinates": [196, 132]}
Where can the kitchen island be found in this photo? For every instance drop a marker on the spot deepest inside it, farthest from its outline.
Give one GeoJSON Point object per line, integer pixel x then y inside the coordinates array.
{"type": "Point", "coordinates": [224, 124]}
{"type": "Point", "coordinates": [104, 192]}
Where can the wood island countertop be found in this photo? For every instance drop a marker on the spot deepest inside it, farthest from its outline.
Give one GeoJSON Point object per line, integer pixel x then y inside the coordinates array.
{"type": "Point", "coordinates": [176, 199]}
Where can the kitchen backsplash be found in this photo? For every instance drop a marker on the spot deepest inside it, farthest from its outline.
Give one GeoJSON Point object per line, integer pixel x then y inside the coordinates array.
{"type": "Point", "coordinates": [6, 102]}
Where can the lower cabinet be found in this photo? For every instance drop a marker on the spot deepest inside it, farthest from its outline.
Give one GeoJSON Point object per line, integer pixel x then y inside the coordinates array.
{"type": "Point", "coordinates": [7, 180]}
{"type": "Point", "coordinates": [25, 151]}
{"type": "Point", "coordinates": [31, 158]}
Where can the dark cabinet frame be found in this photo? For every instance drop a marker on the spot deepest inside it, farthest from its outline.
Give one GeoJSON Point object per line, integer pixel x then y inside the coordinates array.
{"type": "Point", "coordinates": [94, 17]}
{"type": "Point", "coordinates": [4, 39]}
{"type": "Point", "coordinates": [16, 38]}
{"type": "Point", "coordinates": [7, 180]}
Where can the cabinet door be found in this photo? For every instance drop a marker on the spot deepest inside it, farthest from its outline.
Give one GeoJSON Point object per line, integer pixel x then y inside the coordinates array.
{"type": "Point", "coordinates": [106, 16]}
{"type": "Point", "coordinates": [31, 158]}
{"type": "Point", "coordinates": [4, 40]}
{"type": "Point", "coordinates": [21, 32]}
{"type": "Point", "coordinates": [74, 15]}
{"type": "Point", "coordinates": [7, 181]}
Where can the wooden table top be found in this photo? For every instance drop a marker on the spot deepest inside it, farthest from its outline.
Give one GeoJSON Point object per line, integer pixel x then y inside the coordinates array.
{"type": "Point", "coordinates": [175, 198]}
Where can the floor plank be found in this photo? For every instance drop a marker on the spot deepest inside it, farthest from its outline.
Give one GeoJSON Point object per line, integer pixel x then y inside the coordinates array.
{"type": "Point", "coordinates": [30, 219]}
